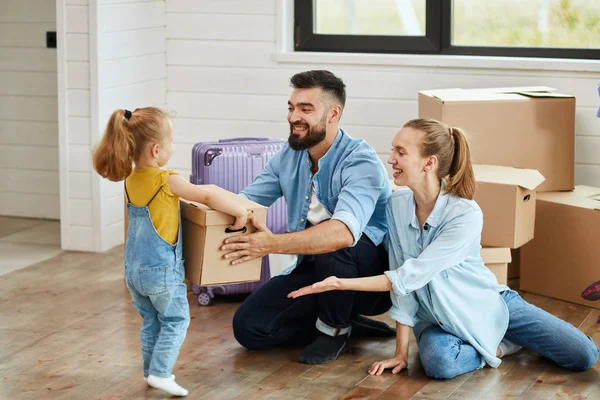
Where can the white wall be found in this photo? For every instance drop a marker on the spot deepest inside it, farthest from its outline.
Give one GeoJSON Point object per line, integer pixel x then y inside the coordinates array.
{"type": "Point", "coordinates": [223, 81]}
{"type": "Point", "coordinates": [113, 57]}
{"type": "Point", "coordinates": [214, 64]}
{"type": "Point", "coordinates": [28, 110]}
{"type": "Point", "coordinates": [74, 111]}
{"type": "Point", "coordinates": [131, 71]}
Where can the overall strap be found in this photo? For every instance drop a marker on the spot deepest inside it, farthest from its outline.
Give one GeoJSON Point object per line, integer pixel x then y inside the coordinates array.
{"type": "Point", "coordinates": [157, 192]}
{"type": "Point", "coordinates": [126, 192]}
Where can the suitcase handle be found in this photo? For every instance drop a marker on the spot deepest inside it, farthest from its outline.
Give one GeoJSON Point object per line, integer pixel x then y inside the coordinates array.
{"type": "Point", "coordinates": [244, 139]}
{"type": "Point", "coordinates": [210, 155]}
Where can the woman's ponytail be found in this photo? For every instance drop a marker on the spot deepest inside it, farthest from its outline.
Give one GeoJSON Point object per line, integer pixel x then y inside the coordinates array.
{"type": "Point", "coordinates": [461, 178]}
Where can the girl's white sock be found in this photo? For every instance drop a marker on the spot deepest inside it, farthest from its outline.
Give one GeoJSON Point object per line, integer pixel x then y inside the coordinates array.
{"type": "Point", "coordinates": [167, 384]}
{"type": "Point", "coordinates": [146, 378]}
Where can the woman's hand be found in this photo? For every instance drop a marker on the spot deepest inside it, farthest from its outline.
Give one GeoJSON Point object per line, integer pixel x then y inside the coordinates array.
{"type": "Point", "coordinates": [398, 363]}
{"type": "Point", "coordinates": [326, 285]}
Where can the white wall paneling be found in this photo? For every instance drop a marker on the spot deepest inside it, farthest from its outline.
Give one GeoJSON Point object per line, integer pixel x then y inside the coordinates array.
{"type": "Point", "coordinates": [28, 110]}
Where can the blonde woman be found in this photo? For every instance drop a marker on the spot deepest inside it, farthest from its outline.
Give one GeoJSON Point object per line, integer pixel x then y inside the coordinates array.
{"type": "Point", "coordinates": [462, 318]}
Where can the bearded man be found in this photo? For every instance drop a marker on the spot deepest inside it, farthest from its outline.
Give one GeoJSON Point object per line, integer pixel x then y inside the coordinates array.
{"type": "Point", "coordinates": [336, 190]}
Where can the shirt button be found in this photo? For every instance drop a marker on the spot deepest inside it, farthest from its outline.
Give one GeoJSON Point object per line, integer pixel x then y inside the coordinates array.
{"type": "Point", "coordinates": [306, 197]}
{"type": "Point", "coordinates": [302, 220]}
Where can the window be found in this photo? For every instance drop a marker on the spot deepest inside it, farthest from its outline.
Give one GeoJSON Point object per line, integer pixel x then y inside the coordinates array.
{"type": "Point", "coordinates": [521, 28]}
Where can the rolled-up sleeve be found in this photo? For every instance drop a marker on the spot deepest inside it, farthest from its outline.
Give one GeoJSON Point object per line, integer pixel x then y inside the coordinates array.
{"type": "Point", "coordinates": [449, 249]}
{"type": "Point", "coordinates": [266, 188]}
{"type": "Point", "coordinates": [404, 308]}
{"type": "Point", "coordinates": [363, 181]}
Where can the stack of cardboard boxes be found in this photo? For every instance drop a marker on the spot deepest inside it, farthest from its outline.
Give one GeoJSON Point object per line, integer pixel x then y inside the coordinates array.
{"type": "Point", "coordinates": [507, 197]}
{"type": "Point", "coordinates": [523, 142]}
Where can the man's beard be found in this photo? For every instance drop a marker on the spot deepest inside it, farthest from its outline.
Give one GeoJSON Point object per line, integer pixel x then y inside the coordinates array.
{"type": "Point", "coordinates": [314, 135]}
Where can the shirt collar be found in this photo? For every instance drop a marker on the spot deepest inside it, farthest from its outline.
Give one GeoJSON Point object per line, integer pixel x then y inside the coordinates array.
{"type": "Point", "coordinates": [436, 214]}
{"type": "Point", "coordinates": [338, 138]}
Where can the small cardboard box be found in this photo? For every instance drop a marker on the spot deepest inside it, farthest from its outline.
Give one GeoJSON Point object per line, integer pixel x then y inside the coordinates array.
{"type": "Point", "coordinates": [204, 231]}
{"type": "Point", "coordinates": [524, 127]}
{"type": "Point", "coordinates": [564, 258]}
{"type": "Point", "coordinates": [497, 259]}
{"type": "Point", "coordinates": [507, 198]}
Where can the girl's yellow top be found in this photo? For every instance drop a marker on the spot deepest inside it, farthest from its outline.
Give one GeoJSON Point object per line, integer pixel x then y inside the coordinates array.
{"type": "Point", "coordinates": [141, 185]}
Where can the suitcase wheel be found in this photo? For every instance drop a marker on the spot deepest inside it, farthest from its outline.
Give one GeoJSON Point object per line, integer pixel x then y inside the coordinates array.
{"type": "Point", "coordinates": [205, 299]}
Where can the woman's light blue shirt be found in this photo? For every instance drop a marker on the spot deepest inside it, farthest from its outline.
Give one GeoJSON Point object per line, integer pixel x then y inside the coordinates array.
{"type": "Point", "coordinates": [438, 275]}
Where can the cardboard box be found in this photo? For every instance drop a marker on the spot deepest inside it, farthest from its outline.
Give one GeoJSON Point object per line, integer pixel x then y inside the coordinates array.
{"type": "Point", "coordinates": [514, 266]}
{"type": "Point", "coordinates": [528, 127]}
{"type": "Point", "coordinates": [203, 233]}
{"type": "Point", "coordinates": [564, 258]}
{"type": "Point", "coordinates": [497, 259]}
{"type": "Point", "coordinates": [507, 198]}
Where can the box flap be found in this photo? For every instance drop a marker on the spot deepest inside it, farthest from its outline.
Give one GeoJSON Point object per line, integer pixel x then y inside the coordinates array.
{"type": "Point", "coordinates": [527, 178]}
{"type": "Point", "coordinates": [493, 94]}
{"type": "Point", "coordinates": [547, 95]}
{"type": "Point", "coordinates": [203, 215]}
{"type": "Point", "coordinates": [440, 93]}
{"type": "Point", "coordinates": [520, 89]}
{"type": "Point", "coordinates": [446, 95]}
{"type": "Point", "coordinates": [582, 196]}
{"type": "Point", "coordinates": [495, 255]}
{"type": "Point", "coordinates": [590, 194]}
{"type": "Point", "coordinates": [532, 91]}
{"type": "Point", "coordinates": [588, 191]}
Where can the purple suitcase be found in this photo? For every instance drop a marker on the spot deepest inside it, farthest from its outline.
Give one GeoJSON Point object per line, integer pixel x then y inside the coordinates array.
{"type": "Point", "coordinates": [233, 164]}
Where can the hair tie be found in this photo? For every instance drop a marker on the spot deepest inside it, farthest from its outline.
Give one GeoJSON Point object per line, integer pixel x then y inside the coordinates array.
{"type": "Point", "coordinates": [451, 132]}
{"type": "Point", "coordinates": [127, 114]}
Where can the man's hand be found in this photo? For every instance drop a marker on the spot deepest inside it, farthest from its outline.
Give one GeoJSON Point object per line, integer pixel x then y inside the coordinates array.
{"type": "Point", "coordinates": [244, 248]}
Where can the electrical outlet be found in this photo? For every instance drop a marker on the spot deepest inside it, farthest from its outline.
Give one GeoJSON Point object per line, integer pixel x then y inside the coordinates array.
{"type": "Point", "coordinates": [51, 40]}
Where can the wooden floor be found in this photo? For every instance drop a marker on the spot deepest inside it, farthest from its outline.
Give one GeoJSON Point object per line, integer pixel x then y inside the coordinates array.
{"type": "Point", "coordinates": [68, 331]}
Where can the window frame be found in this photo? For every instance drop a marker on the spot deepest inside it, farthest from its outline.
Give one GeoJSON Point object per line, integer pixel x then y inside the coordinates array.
{"type": "Point", "coordinates": [437, 39]}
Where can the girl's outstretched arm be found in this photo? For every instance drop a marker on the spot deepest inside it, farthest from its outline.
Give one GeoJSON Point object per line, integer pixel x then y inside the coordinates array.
{"type": "Point", "coordinates": [204, 195]}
